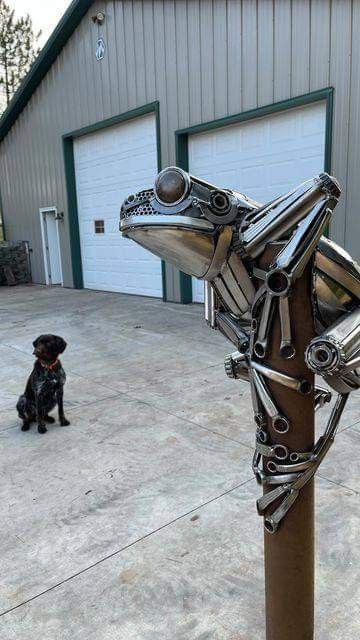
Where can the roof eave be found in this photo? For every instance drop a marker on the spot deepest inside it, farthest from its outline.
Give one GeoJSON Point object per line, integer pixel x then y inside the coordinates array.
{"type": "Point", "coordinates": [43, 62]}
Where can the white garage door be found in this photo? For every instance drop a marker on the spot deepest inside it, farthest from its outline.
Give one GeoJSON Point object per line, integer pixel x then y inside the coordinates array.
{"type": "Point", "coordinates": [109, 165]}
{"type": "Point", "coordinates": [261, 158]}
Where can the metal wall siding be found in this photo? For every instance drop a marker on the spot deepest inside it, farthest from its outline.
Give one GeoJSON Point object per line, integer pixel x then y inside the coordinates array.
{"type": "Point", "coordinates": [234, 57]}
{"type": "Point", "coordinates": [207, 60]}
{"type": "Point", "coordinates": [249, 56]}
{"type": "Point", "coordinates": [352, 226]}
{"type": "Point", "coordinates": [201, 59]}
{"type": "Point", "coordinates": [171, 72]}
{"type": "Point", "coordinates": [149, 51]}
{"type": "Point", "coordinates": [340, 55]}
{"type": "Point", "coordinates": [194, 62]}
{"type": "Point", "coordinates": [282, 49]}
{"type": "Point", "coordinates": [220, 58]}
{"type": "Point", "coordinates": [265, 53]}
{"type": "Point", "coordinates": [182, 58]}
{"type": "Point", "coordinates": [300, 47]}
{"type": "Point", "coordinates": [320, 13]}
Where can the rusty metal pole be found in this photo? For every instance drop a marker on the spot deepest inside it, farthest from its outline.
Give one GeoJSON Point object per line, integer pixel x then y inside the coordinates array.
{"type": "Point", "coordinates": [289, 553]}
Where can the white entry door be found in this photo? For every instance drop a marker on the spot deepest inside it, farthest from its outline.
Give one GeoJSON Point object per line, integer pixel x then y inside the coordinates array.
{"type": "Point", "coordinates": [110, 164]}
{"type": "Point", "coordinates": [262, 158]}
{"type": "Point", "coordinates": [51, 246]}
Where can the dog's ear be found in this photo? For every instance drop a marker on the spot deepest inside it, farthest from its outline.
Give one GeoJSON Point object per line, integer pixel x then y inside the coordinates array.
{"type": "Point", "coordinates": [60, 344]}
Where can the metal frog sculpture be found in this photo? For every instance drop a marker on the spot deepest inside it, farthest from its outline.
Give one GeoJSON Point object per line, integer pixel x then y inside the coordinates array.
{"type": "Point", "coordinates": [218, 235]}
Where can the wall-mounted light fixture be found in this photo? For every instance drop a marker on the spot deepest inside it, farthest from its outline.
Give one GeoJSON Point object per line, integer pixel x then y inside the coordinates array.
{"type": "Point", "coordinates": [98, 18]}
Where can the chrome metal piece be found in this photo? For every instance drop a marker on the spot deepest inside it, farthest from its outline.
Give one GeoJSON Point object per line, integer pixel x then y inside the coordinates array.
{"type": "Point", "coordinates": [287, 349]}
{"type": "Point", "coordinates": [260, 346]}
{"type": "Point", "coordinates": [268, 498]}
{"type": "Point", "coordinates": [231, 329]}
{"type": "Point", "coordinates": [157, 220]}
{"type": "Point", "coordinates": [236, 366]}
{"type": "Point", "coordinates": [292, 259]}
{"type": "Point", "coordinates": [332, 352]}
{"type": "Point", "coordinates": [172, 185]}
{"type": "Point", "coordinates": [321, 397]}
{"type": "Point", "coordinates": [220, 253]}
{"type": "Point", "coordinates": [278, 451]}
{"type": "Point", "coordinates": [259, 416]}
{"type": "Point", "coordinates": [294, 467]}
{"type": "Point", "coordinates": [283, 216]}
{"type": "Point", "coordinates": [296, 456]}
{"type": "Point", "coordinates": [261, 435]}
{"type": "Point", "coordinates": [209, 305]}
{"type": "Point", "coordinates": [291, 489]}
{"type": "Point", "coordinates": [278, 422]}
{"type": "Point", "coordinates": [300, 385]}
{"type": "Point", "coordinates": [218, 234]}
{"type": "Point", "coordinates": [271, 523]}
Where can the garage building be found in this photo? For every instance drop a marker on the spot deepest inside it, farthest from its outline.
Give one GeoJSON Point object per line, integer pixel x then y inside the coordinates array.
{"type": "Point", "coordinates": [253, 95]}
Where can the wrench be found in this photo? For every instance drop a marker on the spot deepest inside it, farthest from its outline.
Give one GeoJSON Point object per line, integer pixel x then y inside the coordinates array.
{"type": "Point", "coordinates": [263, 478]}
{"type": "Point", "coordinates": [289, 468]}
{"type": "Point", "coordinates": [279, 451]}
{"type": "Point", "coordinates": [320, 450]}
{"type": "Point", "coordinates": [300, 385]}
{"type": "Point", "coordinates": [322, 396]}
{"type": "Point", "coordinates": [260, 345]}
{"type": "Point", "coordinates": [278, 422]}
{"type": "Point", "coordinates": [287, 349]}
{"type": "Point", "coordinates": [272, 522]}
{"type": "Point", "coordinates": [259, 416]}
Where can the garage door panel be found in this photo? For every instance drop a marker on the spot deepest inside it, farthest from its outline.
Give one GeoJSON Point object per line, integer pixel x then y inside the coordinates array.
{"type": "Point", "coordinates": [110, 164]}
{"type": "Point", "coordinates": [263, 157]}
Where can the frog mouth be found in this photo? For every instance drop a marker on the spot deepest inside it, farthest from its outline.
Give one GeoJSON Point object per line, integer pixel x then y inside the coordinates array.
{"type": "Point", "coordinates": [181, 219]}
{"type": "Point", "coordinates": [186, 242]}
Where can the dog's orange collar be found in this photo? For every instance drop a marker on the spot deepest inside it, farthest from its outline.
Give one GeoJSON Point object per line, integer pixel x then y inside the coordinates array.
{"type": "Point", "coordinates": [51, 366]}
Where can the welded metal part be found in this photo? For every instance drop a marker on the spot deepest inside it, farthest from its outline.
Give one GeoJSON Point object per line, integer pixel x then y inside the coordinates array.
{"type": "Point", "coordinates": [292, 488]}
{"type": "Point", "coordinates": [283, 217]}
{"type": "Point", "coordinates": [321, 397]}
{"type": "Point", "coordinates": [236, 366]}
{"type": "Point", "coordinates": [331, 353]}
{"type": "Point", "coordinates": [260, 346]}
{"type": "Point", "coordinates": [292, 260]}
{"type": "Point", "coordinates": [259, 414]}
{"type": "Point", "coordinates": [231, 329]}
{"type": "Point", "coordinates": [278, 451]}
{"type": "Point", "coordinates": [297, 384]}
{"type": "Point", "coordinates": [209, 305]}
{"type": "Point", "coordinates": [218, 235]}
{"type": "Point", "coordinates": [287, 348]}
{"type": "Point", "coordinates": [279, 422]}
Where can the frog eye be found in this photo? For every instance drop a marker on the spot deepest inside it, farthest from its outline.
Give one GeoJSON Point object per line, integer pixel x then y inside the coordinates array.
{"type": "Point", "coordinates": [172, 186]}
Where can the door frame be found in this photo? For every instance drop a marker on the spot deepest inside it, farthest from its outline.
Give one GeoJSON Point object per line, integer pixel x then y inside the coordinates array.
{"type": "Point", "coordinates": [70, 179]}
{"type": "Point", "coordinates": [182, 139]}
{"type": "Point", "coordinates": [45, 210]}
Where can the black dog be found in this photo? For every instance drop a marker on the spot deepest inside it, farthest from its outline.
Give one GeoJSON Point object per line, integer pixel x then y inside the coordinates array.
{"type": "Point", "coordinates": [45, 386]}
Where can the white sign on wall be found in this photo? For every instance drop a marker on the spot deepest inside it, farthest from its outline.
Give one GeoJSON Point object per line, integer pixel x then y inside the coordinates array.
{"type": "Point", "coordinates": [100, 49]}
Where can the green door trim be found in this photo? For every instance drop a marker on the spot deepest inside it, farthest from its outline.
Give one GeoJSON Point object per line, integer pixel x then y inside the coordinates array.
{"type": "Point", "coordinates": [70, 179]}
{"type": "Point", "coordinates": [182, 138]}
{"type": "Point", "coordinates": [2, 222]}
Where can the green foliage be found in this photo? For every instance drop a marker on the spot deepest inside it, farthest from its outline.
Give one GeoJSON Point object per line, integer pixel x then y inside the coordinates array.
{"type": "Point", "coordinates": [17, 51]}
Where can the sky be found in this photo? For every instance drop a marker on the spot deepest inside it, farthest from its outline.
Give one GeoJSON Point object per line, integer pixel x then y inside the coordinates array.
{"type": "Point", "coordinates": [44, 14]}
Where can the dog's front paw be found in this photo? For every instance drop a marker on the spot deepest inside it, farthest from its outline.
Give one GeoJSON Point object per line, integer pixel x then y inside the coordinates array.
{"type": "Point", "coordinates": [64, 422]}
{"type": "Point", "coordinates": [42, 428]}
{"type": "Point", "coordinates": [25, 426]}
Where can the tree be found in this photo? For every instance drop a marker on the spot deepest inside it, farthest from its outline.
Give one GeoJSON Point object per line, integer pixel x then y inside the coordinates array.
{"type": "Point", "coordinates": [17, 51]}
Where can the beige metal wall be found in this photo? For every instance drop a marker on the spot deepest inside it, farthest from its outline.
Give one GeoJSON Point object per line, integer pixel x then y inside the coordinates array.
{"type": "Point", "coordinates": [202, 60]}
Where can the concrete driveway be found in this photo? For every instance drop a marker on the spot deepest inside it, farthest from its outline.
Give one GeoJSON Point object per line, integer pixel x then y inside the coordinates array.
{"type": "Point", "coordinates": [138, 521]}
